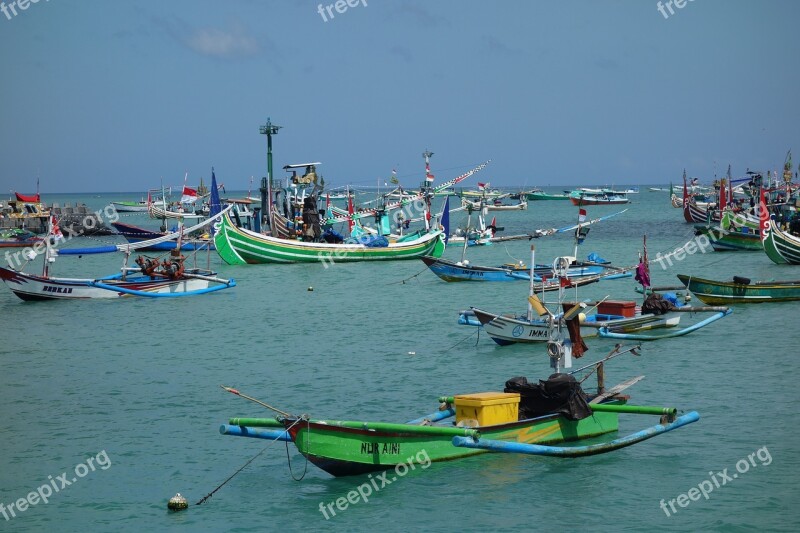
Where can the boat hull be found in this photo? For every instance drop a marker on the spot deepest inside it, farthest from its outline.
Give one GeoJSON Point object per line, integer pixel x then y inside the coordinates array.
{"type": "Point", "coordinates": [542, 196]}
{"type": "Point", "coordinates": [730, 240]}
{"type": "Point", "coordinates": [237, 246]}
{"type": "Point", "coordinates": [589, 200]}
{"type": "Point", "coordinates": [452, 272]}
{"type": "Point", "coordinates": [130, 207]}
{"type": "Point", "coordinates": [781, 247]}
{"type": "Point", "coordinates": [30, 287]}
{"type": "Point", "coordinates": [346, 451]}
{"type": "Point", "coordinates": [505, 330]}
{"type": "Point", "coordinates": [727, 292]}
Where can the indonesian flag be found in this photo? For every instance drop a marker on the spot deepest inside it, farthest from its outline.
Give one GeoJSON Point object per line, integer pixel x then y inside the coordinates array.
{"type": "Point", "coordinates": [482, 186]}
{"type": "Point", "coordinates": [428, 175]}
{"type": "Point", "coordinates": [581, 215]}
{"type": "Point", "coordinates": [55, 231]}
{"type": "Point", "coordinates": [189, 195]}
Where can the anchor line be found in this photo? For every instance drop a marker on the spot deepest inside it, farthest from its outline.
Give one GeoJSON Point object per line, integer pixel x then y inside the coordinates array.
{"type": "Point", "coordinates": [403, 281]}
{"type": "Point", "coordinates": [210, 494]}
{"type": "Point", "coordinates": [308, 448]}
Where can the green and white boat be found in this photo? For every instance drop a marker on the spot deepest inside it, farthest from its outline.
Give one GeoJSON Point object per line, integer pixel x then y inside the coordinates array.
{"type": "Point", "coordinates": [239, 246]}
{"type": "Point", "coordinates": [781, 246]}
{"type": "Point", "coordinates": [540, 195]}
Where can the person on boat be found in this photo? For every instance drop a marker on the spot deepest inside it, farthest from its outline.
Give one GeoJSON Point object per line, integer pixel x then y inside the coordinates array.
{"type": "Point", "coordinates": [794, 225]}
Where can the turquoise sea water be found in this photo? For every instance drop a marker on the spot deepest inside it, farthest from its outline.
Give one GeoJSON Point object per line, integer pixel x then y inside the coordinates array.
{"type": "Point", "coordinates": [139, 380]}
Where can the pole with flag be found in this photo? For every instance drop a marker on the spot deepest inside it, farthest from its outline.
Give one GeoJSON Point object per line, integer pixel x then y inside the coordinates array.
{"type": "Point", "coordinates": [580, 234]}
{"type": "Point", "coordinates": [426, 185]}
{"type": "Point", "coordinates": [350, 210]}
{"type": "Point", "coordinates": [643, 270]}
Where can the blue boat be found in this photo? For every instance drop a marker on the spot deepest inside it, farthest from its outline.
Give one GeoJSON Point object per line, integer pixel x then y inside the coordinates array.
{"type": "Point", "coordinates": [465, 271]}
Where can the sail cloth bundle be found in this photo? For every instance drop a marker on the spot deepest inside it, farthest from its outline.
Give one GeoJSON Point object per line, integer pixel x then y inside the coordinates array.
{"type": "Point", "coordinates": [560, 393]}
{"type": "Point", "coordinates": [655, 304]}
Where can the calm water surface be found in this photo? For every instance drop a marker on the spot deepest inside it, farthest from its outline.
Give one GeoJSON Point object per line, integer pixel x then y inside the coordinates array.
{"type": "Point", "coordinates": [140, 380]}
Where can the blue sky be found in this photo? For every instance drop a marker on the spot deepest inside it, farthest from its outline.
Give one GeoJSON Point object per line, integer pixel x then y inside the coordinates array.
{"type": "Point", "coordinates": [114, 96]}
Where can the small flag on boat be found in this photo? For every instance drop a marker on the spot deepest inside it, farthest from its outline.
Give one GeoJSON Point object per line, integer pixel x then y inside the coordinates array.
{"type": "Point", "coordinates": [189, 195]}
{"type": "Point", "coordinates": [582, 216]}
{"type": "Point", "coordinates": [482, 186]}
{"type": "Point", "coordinates": [643, 270]}
{"type": "Point", "coordinates": [428, 175]}
{"type": "Point", "coordinates": [55, 230]}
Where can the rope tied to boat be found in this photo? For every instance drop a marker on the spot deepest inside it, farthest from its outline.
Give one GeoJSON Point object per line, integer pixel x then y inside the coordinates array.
{"type": "Point", "coordinates": [270, 443]}
{"type": "Point", "coordinates": [403, 281]}
{"type": "Point", "coordinates": [308, 448]}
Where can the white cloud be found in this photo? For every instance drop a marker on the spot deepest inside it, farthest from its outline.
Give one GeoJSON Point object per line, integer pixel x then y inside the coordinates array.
{"type": "Point", "coordinates": [223, 43]}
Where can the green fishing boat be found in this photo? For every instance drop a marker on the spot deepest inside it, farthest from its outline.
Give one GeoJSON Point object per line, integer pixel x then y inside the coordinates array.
{"type": "Point", "coordinates": [781, 246]}
{"type": "Point", "coordinates": [238, 246]}
{"type": "Point", "coordinates": [526, 418]}
{"type": "Point", "coordinates": [741, 290]}
{"type": "Point", "coordinates": [540, 195]}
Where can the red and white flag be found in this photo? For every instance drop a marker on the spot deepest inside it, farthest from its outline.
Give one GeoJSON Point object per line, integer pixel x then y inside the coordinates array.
{"type": "Point", "coordinates": [189, 195]}
{"type": "Point", "coordinates": [55, 231]}
{"type": "Point", "coordinates": [581, 215]}
{"type": "Point", "coordinates": [428, 175]}
{"type": "Point", "coordinates": [482, 186]}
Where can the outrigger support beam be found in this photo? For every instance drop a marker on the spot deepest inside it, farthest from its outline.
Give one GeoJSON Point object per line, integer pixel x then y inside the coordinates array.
{"type": "Point", "coordinates": [575, 451]}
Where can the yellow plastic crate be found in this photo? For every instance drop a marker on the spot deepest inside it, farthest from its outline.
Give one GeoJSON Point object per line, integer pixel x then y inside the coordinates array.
{"type": "Point", "coordinates": [488, 408]}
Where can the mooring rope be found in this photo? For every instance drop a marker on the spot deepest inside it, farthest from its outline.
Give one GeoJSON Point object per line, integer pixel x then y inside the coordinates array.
{"type": "Point", "coordinates": [308, 450]}
{"type": "Point", "coordinates": [270, 443]}
{"type": "Point", "coordinates": [477, 332]}
{"type": "Point", "coordinates": [403, 281]}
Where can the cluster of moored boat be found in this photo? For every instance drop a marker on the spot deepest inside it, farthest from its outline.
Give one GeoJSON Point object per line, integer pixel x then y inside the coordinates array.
{"type": "Point", "coordinates": [295, 221]}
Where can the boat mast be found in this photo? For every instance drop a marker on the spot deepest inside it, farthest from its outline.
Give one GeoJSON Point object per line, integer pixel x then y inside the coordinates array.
{"type": "Point", "coordinates": [466, 233]}
{"type": "Point", "coordinates": [269, 129]}
{"type": "Point", "coordinates": [532, 288]}
{"type": "Point", "coordinates": [48, 249]}
{"type": "Point", "coordinates": [425, 188]}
